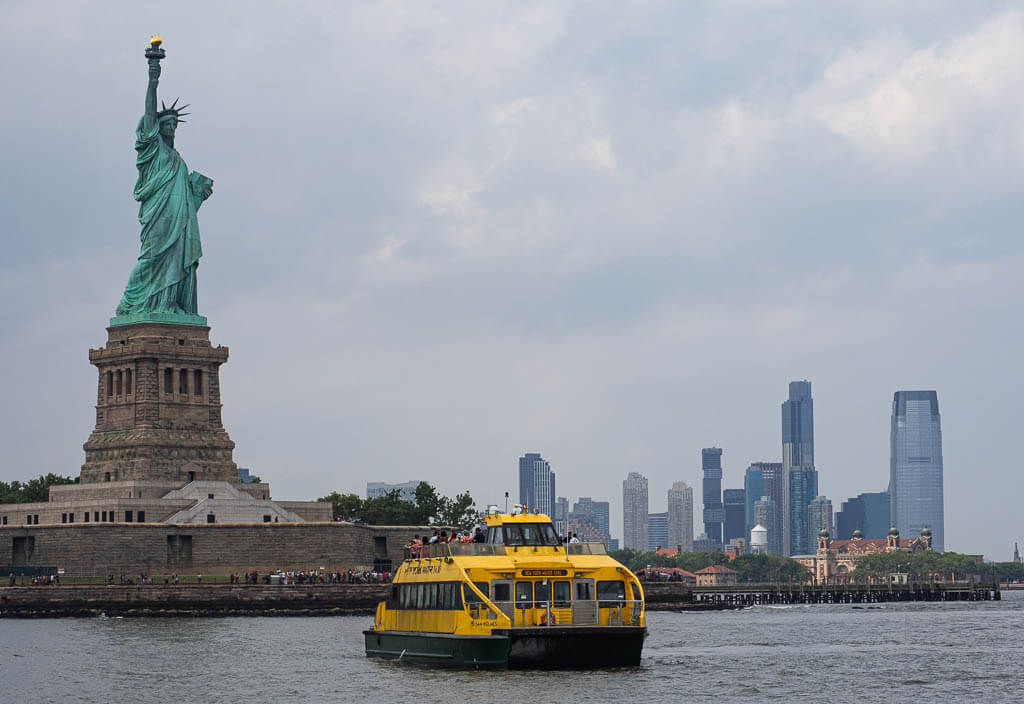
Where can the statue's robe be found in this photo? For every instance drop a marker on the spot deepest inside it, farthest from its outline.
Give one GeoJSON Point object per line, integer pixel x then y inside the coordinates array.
{"type": "Point", "coordinates": [164, 277]}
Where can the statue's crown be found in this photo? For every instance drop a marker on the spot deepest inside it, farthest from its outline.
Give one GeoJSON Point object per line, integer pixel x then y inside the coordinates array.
{"type": "Point", "coordinates": [173, 110]}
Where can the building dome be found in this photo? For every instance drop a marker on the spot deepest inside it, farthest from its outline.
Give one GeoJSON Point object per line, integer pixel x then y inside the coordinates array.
{"type": "Point", "coordinates": [926, 532]}
{"type": "Point", "coordinates": [894, 532]}
{"type": "Point", "coordinates": [823, 533]}
{"type": "Point", "coordinates": [857, 535]}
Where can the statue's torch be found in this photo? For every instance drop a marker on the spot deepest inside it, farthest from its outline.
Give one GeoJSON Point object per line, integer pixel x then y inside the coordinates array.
{"type": "Point", "coordinates": [154, 52]}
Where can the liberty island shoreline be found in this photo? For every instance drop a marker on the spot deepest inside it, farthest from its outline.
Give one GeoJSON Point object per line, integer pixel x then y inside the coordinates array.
{"type": "Point", "coordinates": [220, 600]}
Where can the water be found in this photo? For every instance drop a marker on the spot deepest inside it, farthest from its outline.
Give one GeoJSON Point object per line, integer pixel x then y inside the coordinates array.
{"type": "Point", "coordinates": [898, 652]}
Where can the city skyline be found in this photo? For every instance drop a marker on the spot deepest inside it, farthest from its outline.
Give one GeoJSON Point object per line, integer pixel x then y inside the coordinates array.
{"type": "Point", "coordinates": [679, 211]}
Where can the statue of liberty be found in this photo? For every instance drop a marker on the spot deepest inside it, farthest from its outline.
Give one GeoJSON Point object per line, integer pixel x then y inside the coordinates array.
{"type": "Point", "coordinates": [162, 286]}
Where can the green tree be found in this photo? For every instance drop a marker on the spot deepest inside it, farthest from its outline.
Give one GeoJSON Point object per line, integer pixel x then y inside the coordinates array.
{"type": "Point", "coordinates": [428, 502]}
{"type": "Point", "coordinates": [921, 567]}
{"type": "Point", "coordinates": [429, 508]}
{"type": "Point", "coordinates": [33, 491]}
{"type": "Point", "coordinates": [344, 506]}
{"type": "Point", "coordinates": [460, 511]}
{"type": "Point", "coordinates": [762, 569]}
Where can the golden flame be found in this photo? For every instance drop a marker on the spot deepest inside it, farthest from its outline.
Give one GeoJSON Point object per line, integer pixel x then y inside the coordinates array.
{"type": "Point", "coordinates": [156, 41]}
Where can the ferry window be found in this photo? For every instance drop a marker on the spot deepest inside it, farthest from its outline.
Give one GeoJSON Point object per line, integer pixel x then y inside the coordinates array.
{"type": "Point", "coordinates": [451, 595]}
{"type": "Point", "coordinates": [563, 591]}
{"type": "Point", "coordinates": [514, 535]}
{"type": "Point", "coordinates": [494, 535]}
{"type": "Point", "coordinates": [524, 595]}
{"type": "Point", "coordinates": [611, 591]}
{"type": "Point", "coordinates": [530, 534]}
{"type": "Point", "coordinates": [403, 596]}
{"type": "Point", "coordinates": [584, 591]}
{"type": "Point", "coordinates": [432, 600]}
{"type": "Point", "coordinates": [421, 596]}
{"type": "Point", "coordinates": [469, 596]}
{"type": "Point", "coordinates": [502, 592]}
{"type": "Point", "coordinates": [542, 591]}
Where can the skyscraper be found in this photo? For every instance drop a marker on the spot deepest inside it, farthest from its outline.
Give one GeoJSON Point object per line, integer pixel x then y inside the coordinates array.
{"type": "Point", "coordinates": [803, 487]}
{"type": "Point", "coordinates": [536, 484]}
{"type": "Point", "coordinates": [771, 478]}
{"type": "Point", "coordinates": [634, 511]}
{"type": "Point", "coordinates": [915, 465]}
{"type": "Point", "coordinates": [819, 516]}
{"type": "Point", "coordinates": [561, 514]}
{"type": "Point", "coordinates": [735, 507]}
{"type": "Point", "coordinates": [870, 513]}
{"type": "Point", "coordinates": [657, 530]}
{"type": "Point", "coordinates": [765, 515]}
{"type": "Point", "coordinates": [680, 517]}
{"type": "Point", "coordinates": [753, 488]}
{"type": "Point", "coordinates": [593, 512]}
{"type": "Point", "coordinates": [797, 457]}
{"type": "Point", "coordinates": [714, 515]}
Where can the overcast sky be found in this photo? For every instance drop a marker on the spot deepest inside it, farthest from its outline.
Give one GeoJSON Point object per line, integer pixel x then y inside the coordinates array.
{"type": "Point", "coordinates": [443, 235]}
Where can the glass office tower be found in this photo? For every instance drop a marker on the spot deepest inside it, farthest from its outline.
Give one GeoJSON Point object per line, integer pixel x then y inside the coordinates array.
{"type": "Point", "coordinates": [915, 465]}
{"type": "Point", "coordinates": [797, 462]}
{"type": "Point", "coordinates": [764, 479]}
{"type": "Point", "coordinates": [714, 514]}
{"type": "Point", "coordinates": [734, 505]}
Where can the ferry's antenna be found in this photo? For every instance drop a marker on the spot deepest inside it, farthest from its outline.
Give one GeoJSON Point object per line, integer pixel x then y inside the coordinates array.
{"type": "Point", "coordinates": [506, 502]}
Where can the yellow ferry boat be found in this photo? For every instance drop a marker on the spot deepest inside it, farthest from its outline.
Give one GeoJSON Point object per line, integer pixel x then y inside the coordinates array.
{"type": "Point", "coordinates": [520, 599]}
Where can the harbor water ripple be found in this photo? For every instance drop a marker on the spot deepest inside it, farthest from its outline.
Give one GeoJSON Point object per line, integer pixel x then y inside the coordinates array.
{"type": "Point", "coordinates": [812, 653]}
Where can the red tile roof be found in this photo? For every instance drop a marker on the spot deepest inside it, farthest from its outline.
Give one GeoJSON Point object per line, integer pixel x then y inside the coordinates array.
{"type": "Point", "coordinates": [717, 569]}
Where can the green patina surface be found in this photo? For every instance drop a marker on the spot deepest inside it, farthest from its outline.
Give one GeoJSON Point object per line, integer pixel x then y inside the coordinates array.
{"type": "Point", "coordinates": [162, 285]}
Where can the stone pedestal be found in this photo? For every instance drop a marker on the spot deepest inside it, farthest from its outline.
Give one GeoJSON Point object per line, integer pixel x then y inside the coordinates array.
{"type": "Point", "coordinates": [158, 409]}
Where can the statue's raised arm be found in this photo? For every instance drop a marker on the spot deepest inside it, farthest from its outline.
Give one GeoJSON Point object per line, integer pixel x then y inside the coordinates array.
{"type": "Point", "coordinates": [154, 79]}
{"type": "Point", "coordinates": [162, 286]}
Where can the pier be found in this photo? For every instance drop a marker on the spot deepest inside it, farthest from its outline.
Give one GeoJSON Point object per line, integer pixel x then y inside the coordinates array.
{"type": "Point", "coordinates": [362, 599]}
{"type": "Point", "coordinates": [669, 595]}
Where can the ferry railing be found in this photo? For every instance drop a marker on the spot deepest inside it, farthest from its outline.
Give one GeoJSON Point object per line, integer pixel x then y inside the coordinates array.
{"type": "Point", "coordinates": [422, 552]}
{"type": "Point", "coordinates": [579, 612]}
{"type": "Point", "coordinates": [586, 549]}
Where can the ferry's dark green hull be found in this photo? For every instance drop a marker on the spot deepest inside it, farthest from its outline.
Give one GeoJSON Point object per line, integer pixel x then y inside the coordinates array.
{"type": "Point", "coordinates": [439, 648]}
{"type": "Point", "coordinates": [541, 647]}
{"type": "Point", "coordinates": [575, 646]}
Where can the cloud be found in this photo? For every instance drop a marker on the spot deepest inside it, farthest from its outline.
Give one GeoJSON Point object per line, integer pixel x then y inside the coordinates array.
{"type": "Point", "coordinates": [891, 99]}
{"type": "Point", "coordinates": [446, 234]}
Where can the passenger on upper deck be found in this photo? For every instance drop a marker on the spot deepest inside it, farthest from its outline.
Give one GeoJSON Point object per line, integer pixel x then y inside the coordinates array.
{"type": "Point", "coordinates": [478, 536]}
